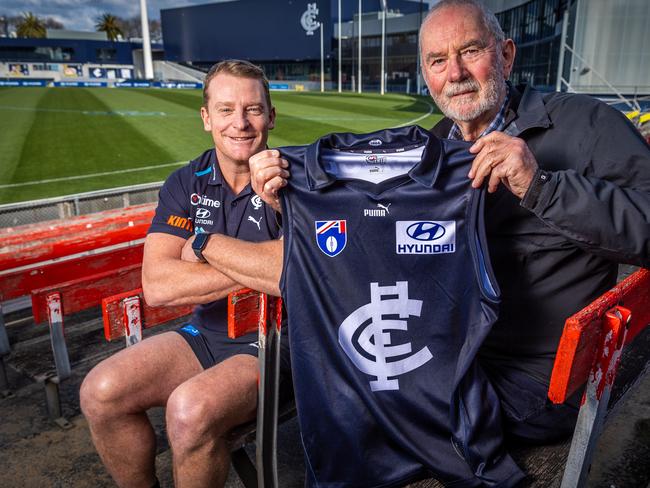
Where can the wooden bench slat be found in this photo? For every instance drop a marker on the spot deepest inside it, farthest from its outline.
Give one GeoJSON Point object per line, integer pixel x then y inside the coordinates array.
{"type": "Point", "coordinates": [113, 315]}
{"type": "Point", "coordinates": [245, 312]}
{"type": "Point", "coordinates": [56, 229]}
{"type": "Point", "coordinates": [31, 253]}
{"type": "Point", "coordinates": [86, 292]}
{"type": "Point", "coordinates": [582, 332]}
{"type": "Point", "coordinates": [635, 295]}
{"type": "Point", "coordinates": [19, 283]}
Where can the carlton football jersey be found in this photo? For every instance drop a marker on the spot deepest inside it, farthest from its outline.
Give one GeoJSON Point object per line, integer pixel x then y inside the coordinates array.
{"type": "Point", "coordinates": [389, 295]}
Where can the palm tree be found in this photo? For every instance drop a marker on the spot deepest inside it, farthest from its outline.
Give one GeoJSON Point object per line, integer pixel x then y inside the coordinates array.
{"type": "Point", "coordinates": [30, 26]}
{"type": "Point", "coordinates": [111, 25]}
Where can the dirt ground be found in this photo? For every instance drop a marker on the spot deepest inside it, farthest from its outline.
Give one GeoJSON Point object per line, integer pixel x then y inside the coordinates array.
{"type": "Point", "coordinates": [36, 453]}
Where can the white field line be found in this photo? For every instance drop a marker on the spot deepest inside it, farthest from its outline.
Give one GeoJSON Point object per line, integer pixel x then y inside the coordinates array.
{"type": "Point", "coordinates": [145, 168]}
{"type": "Point", "coordinates": [431, 108]}
{"type": "Point", "coordinates": [92, 175]}
{"type": "Point", "coordinates": [136, 113]}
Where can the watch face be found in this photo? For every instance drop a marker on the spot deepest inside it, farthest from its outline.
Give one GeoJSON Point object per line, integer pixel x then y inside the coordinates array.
{"type": "Point", "coordinates": [200, 240]}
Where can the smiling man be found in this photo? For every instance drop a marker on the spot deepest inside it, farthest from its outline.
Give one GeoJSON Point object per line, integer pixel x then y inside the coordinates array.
{"type": "Point", "coordinates": [207, 382]}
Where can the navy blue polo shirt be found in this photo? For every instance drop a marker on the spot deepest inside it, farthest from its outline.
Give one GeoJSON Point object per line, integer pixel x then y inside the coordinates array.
{"type": "Point", "coordinates": [196, 199]}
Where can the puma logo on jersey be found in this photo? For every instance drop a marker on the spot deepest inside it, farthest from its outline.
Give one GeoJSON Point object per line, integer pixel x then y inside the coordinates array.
{"type": "Point", "coordinates": [256, 222]}
{"type": "Point", "coordinates": [382, 211]}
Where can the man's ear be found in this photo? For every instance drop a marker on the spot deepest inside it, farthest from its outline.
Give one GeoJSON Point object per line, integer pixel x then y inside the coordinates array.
{"type": "Point", "coordinates": [508, 52]}
{"type": "Point", "coordinates": [272, 118]}
{"type": "Point", "coordinates": [207, 126]}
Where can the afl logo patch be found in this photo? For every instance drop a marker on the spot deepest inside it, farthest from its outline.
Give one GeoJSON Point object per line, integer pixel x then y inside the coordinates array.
{"type": "Point", "coordinates": [331, 236]}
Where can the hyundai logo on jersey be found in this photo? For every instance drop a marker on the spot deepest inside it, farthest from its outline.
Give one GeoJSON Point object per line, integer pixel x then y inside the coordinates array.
{"type": "Point", "coordinates": [202, 213]}
{"type": "Point", "coordinates": [425, 237]}
{"type": "Point", "coordinates": [425, 231]}
{"type": "Point", "coordinates": [331, 236]}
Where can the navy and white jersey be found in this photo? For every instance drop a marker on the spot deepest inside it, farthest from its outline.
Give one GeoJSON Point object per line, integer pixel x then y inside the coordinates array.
{"type": "Point", "coordinates": [196, 198]}
{"type": "Point", "coordinates": [389, 294]}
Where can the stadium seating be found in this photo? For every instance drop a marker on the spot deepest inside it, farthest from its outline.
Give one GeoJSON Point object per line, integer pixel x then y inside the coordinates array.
{"type": "Point", "coordinates": [126, 314]}
{"type": "Point", "coordinates": [605, 349]}
{"type": "Point", "coordinates": [41, 259]}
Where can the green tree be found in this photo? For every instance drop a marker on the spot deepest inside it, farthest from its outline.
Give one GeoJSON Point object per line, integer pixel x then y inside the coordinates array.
{"type": "Point", "coordinates": [30, 26]}
{"type": "Point", "coordinates": [111, 25]}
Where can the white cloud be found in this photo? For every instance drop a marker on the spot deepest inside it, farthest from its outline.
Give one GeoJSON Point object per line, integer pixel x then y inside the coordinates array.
{"type": "Point", "coordinates": [82, 14]}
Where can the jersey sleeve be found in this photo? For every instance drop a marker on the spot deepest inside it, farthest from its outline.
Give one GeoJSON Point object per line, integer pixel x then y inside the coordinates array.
{"type": "Point", "coordinates": [173, 211]}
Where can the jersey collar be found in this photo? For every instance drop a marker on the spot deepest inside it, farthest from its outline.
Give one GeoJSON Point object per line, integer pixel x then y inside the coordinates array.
{"type": "Point", "coordinates": [424, 172]}
{"type": "Point", "coordinates": [216, 177]}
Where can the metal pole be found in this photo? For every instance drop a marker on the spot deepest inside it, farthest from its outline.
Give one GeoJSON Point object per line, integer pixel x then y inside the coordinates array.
{"type": "Point", "coordinates": [322, 60]}
{"type": "Point", "coordinates": [383, 48]}
{"type": "Point", "coordinates": [418, 80]}
{"type": "Point", "coordinates": [340, 60]}
{"type": "Point", "coordinates": [359, 69]}
{"type": "Point", "coordinates": [560, 63]}
{"type": "Point", "coordinates": [146, 43]}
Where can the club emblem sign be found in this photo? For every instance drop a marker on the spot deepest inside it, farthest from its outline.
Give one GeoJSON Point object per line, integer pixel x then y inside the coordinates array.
{"type": "Point", "coordinates": [308, 19]}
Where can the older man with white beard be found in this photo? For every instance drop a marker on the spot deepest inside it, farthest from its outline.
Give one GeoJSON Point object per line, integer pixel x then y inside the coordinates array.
{"type": "Point", "coordinates": [569, 179]}
{"type": "Point", "coordinates": [569, 184]}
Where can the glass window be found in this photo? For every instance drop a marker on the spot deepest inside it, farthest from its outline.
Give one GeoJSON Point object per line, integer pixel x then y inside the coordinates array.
{"type": "Point", "coordinates": [104, 54]}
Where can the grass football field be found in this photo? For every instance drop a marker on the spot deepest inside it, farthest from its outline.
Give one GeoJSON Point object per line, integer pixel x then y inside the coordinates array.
{"type": "Point", "coordinates": [59, 141]}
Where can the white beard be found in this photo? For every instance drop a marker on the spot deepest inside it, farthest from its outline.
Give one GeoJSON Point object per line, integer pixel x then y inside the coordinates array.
{"type": "Point", "coordinates": [469, 107]}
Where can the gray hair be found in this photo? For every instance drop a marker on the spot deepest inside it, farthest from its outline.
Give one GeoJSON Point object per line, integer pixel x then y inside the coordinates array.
{"type": "Point", "coordinates": [488, 19]}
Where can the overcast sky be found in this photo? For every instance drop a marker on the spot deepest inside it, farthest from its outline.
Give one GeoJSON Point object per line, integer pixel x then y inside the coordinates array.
{"type": "Point", "coordinates": [82, 14]}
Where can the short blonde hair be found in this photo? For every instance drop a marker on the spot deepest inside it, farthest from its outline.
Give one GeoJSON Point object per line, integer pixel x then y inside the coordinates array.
{"type": "Point", "coordinates": [240, 69]}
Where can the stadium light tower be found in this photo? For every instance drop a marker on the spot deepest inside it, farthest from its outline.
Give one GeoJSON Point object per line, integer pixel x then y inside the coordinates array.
{"type": "Point", "coordinates": [322, 60]}
{"type": "Point", "coordinates": [359, 70]}
{"type": "Point", "coordinates": [340, 61]}
{"type": "Point", "coordinates": [146, 44]}
{"type": "Point", "coordinates": [383, 47]}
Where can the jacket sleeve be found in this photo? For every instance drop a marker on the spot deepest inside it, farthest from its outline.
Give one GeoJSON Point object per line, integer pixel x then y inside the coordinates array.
{"type": "Point", "coordinates": [602, 202]}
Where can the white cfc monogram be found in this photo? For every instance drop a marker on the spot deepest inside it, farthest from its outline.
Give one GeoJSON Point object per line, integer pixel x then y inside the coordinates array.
{"type": "Point", "coordinates": [375, 339]}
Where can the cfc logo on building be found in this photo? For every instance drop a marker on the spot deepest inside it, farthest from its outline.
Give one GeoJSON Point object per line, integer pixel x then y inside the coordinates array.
{"type": "Point", "coordinates": [308, 19]}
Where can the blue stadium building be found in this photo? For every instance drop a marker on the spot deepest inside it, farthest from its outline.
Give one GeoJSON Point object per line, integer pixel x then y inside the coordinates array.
{"type": "Point", "coordinates": [70, 56]}
{"type": "Point", "coordinates": [283, 36]}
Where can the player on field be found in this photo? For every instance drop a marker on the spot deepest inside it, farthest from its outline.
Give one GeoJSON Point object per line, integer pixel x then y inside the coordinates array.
{"type": "Point", "coordinates": [569, 183]}
{"type": "Point", "coordinates": [207, 382]}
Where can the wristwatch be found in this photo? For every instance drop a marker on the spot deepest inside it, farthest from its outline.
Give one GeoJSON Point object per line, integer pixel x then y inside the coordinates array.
{"type": "Point", "coordinates": [199, 244]}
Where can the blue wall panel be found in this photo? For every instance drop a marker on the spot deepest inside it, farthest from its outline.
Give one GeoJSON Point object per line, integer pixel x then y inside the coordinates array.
{"type": "Point", "coordinates": [245, 29]}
